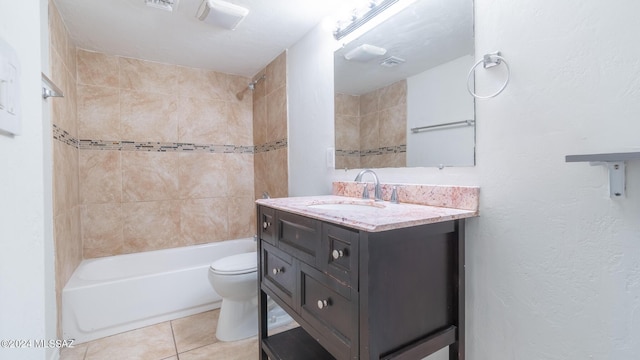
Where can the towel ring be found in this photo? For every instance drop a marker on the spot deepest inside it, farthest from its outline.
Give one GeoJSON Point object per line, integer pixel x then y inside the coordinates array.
{"type": "Point", "coordinates": [489, 61]}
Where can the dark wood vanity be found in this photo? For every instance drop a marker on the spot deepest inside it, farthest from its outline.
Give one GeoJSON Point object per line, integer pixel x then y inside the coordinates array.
{"type": "Point", "coordinates": [393, 294]}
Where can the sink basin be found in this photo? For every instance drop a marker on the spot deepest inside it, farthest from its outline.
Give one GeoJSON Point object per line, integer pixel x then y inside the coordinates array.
{"type": "Point", "coordinates": [359, 207]}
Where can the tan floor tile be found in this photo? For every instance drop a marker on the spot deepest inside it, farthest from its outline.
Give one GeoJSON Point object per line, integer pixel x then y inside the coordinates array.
{"type": "Point", "coordinates": [195, 331]}
{"type": "Point", "coordinates": [149, 343]}
{"type": "Point", "coordinates": [236, 350]}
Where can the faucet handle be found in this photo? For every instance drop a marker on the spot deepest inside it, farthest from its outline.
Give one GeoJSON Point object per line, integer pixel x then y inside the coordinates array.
{"type": "Point", "coordinates": [394, 194]}
{"type": "Point", "coordinates": [365, 192]}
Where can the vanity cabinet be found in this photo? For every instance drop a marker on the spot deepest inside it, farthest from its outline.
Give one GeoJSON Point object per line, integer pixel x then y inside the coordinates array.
{"type": "Point", "coordinates": [395, 294]}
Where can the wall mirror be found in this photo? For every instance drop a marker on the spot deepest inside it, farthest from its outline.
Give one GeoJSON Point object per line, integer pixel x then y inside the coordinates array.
{"type": "Point", "coordinates": [409, 72]}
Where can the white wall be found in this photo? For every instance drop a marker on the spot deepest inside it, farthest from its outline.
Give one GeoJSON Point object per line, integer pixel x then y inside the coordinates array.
{"type": "Point", "coordinates": [23, 213]}
{"type": "Point", "coordinates": [437, 96]}
{"type": "Point", "coordinates": [310, 100]}
{"type": "Point", "coordinates": [553, 264]}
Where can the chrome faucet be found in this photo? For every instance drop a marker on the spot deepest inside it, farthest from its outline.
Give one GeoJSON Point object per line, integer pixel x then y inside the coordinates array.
{"type": "Point", "coordinates": [365, 193]}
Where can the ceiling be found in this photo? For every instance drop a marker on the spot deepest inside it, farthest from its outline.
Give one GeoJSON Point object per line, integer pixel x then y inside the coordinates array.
{"type": "Point", "coordinates": [130, 28]}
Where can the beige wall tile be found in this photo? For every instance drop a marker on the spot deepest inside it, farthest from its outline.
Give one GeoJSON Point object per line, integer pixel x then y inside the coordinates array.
{"type": "Point", "coordinates": [65, 177]}
{"type": "Point", "coordinates": [150, 176]}
{"type": "Point", "coordinates": [277, 115]}
{"type": "Point", "coordinates": [260, 121]}
{"type": "Point", "coordinates": [347, 130]}
{"type": "Point", "coordinates": [242, 219]}
{"type": "Point", "coordinates": [393, 95]}
{"type": "Point", "coordinates": [202, 175]}
{"type": "Point", "coordinates": [97, 69]}
{"type": "Point", "coordinates": [147, 76]}
{"type": "Point", "coordinates": [277, 173]}
{"type": "Point", "coordinates": [276, 73]}
{"type": "Point", "coordinates": [149, 343]}
{"type": "Point", "coordinates": [240, 174]}
{"type": "Point", "coordinates": [369, 132]}
{"type": "Point", "coordinates": [148, 117]}
{"type": "Point", "coordinates": [151, 225]}
{"type": "Point", "coordinates": [70, 58]}
{"type": "Point", "coordinates": [68, 243]}
{"type": "Point", "coordinates": [368, 103]}
{"type": "Point", "coordinates": [59, 108]}
{"type": "Point", "coordinates": [57, 31]}
{"type": "Point", "coordinates": [348, 162]}
{"type": "Point", "coordinates": [393, 126]}
{"type": "Point", "coordinates": [239, 124]}
{"type": "Point", "coordinates": [347, 104]}
{"type": "Point", "coordinates": [102, 229]}
{"type": "Point", "coordinates": [98, 113]}
{"type": "Point", "coordinates": [101, 175]}
{"type": "Point", "coordinates": [203, 121]}
{"type": "Point", "coordinates": [204, 220]}
{"type": "Point", "coordinates": [71, 104]}
{"type": "Point", "coordinates": [201, 83]}
{"type": "Point", "coordinates": [260, 174]}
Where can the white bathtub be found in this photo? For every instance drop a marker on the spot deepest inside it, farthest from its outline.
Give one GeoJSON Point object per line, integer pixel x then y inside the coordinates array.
{"type": "Point", "coordinates": [110, 295]}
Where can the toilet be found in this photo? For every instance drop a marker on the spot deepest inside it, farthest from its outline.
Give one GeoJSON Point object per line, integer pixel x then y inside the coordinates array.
{"type": "Point", "coordinates": [235, 279]}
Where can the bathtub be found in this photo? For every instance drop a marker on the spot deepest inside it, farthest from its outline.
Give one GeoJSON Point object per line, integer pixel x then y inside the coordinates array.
{"type": "Point", "coordinates": [110, 295]}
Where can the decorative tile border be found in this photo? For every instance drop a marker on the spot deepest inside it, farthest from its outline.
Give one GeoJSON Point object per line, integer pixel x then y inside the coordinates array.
{"type": "Point", "coordinates": [63, 136]}
{"type": "Point", "coordinates": [371, 152]}
{"type": "Point", "coordinates": [449, 196]}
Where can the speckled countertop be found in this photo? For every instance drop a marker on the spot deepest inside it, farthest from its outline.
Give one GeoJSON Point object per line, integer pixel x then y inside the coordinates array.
{"type": "Point", "coordinates": [369, 216]}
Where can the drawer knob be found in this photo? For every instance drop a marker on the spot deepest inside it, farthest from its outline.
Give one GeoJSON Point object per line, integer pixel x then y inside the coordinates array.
{"type": "Point", "coordinates": [337, 254]}
{"type": "Point", "coordinates": [266, 224]}
{"type": "Point", "coordinates": [277, 271]}
{"type": "Point", "coordinates": [323, 304]}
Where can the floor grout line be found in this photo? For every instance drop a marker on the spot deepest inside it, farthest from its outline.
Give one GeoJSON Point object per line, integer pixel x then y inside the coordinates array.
{"type": "Point", "coordinates": [173, 335]}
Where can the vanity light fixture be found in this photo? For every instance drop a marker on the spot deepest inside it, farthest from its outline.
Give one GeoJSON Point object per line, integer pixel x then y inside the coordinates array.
{"type": "Point", "coordinates": [360, 16]}
{"type": "Point", "coordinates": [364, 53]}
{"type": "Point", "coordinates": [221, 13]}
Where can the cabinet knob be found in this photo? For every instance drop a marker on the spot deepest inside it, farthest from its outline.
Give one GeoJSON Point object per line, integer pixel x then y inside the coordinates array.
{"type": "Point", "coordinates": [266, 224]}
{"type": "Point", "coordinates": [277, 271]}
{"type": "Point", "coordinates": [323, 304]}
{"type": "Point", "coordinates": [337, 254]}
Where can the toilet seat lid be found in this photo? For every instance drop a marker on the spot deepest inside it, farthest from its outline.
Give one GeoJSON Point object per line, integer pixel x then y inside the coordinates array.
{"type": "Point", "coordinates": [236, 264]}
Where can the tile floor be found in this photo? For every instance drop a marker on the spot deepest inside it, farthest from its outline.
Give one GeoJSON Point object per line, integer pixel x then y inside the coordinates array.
{"type": "Point", "coordinates": [188, 338]}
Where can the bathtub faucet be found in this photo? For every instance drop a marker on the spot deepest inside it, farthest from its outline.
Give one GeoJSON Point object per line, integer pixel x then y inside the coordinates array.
{"type": "Point", "coordinates": [365, 192]}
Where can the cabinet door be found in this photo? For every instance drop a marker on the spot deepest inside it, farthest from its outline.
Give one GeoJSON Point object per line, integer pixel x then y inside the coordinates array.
{"type": "Point", "coordinates": [331, 308]}
{"type": "Point", "coordinates": [278, 274]}
{"type": "Point", "coordinates": [267, 224]}
{"type": "Point", "coordinates": [339, 255]}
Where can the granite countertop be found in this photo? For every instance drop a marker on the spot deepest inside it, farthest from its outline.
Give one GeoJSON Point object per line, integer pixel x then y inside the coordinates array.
{"type": "Point", "coordinates": [370, 215]}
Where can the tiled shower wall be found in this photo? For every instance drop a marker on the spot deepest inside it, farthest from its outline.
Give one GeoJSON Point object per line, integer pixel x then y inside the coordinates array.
{"type": "Point", "coordinates": [66, 208]}
{"type": "Point", "coordinates": [375, 125]}
{"type": "Point", "coordinates": [270, 130]}
{"type": "Point", "coordinates": [166, 155]}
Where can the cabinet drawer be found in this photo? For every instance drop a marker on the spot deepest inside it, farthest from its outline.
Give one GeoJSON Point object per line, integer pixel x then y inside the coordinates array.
{"type": "Point", "coordinates": [278, 273]}
{"type": "Point", "coordinates": [330, 308]}
{"type": "Point", "coordinates": [299, 236]}
{"type": "Point", "coordinates": [267, 224]}
{"type": "Point", "coordinates": [340, 253]}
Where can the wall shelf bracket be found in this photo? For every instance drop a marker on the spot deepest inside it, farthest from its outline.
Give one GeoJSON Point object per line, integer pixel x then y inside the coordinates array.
{"type": "Point", "coordinates": [615, 162]}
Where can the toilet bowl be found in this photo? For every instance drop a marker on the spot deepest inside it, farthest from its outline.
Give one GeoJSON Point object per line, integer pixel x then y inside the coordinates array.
{"type": "Point", "coordinates": [235, 279]}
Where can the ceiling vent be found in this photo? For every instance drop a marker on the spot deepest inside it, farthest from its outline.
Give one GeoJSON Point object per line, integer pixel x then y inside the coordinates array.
{"type": "Point", "coordinates": [168, 5]}
{"type": "Point", "coordinates": [392, 61]}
